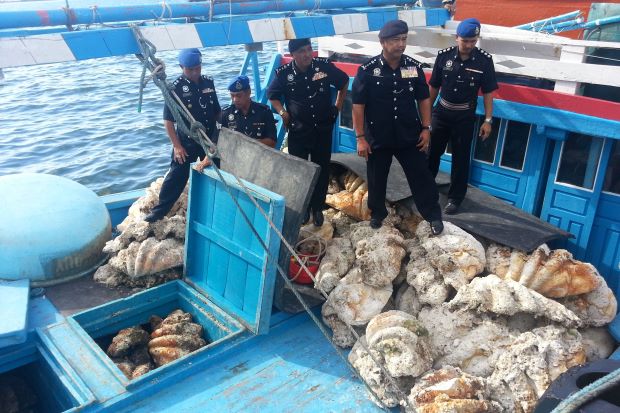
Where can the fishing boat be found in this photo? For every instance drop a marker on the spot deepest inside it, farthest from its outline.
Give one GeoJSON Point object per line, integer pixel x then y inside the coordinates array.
{"type": "Point", "coordinates": [554, 155]}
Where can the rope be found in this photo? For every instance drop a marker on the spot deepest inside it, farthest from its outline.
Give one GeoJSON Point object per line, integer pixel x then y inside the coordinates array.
{"type": "Point", "coordinates": [177, 108]}
{"type": "Point", "coordinates": [183, 118]}
{"type": "Point", "coordinates": [591, 391]}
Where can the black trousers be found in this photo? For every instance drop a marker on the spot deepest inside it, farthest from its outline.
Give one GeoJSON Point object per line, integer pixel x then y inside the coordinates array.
{"type": "Point", "coordinates": [176, 177]}
{"type": "Point", "coordinates": [317, 145]}
{"type": "Point", "coordinates": [456, 127]}
{"type": "Point", "coordinates": [420, 181]}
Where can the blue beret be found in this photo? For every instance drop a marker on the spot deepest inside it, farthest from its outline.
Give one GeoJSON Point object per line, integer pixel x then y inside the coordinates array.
{"type": "Point", "coordinates": [468, 28]}
{"type": "Point", "coordinates": [297, 44]}
{"type": "Point", "coordinates": [393, 28]}
{"type": "Point", "coordinates": [190, 57]}
{"type": "Point", "coordinates": [239, 83]}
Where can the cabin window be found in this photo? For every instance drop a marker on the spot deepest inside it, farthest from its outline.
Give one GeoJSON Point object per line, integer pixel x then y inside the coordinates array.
{"type": "Point", "coordinates": [346, 115]}
{"type": "Point", "coordinates": [579, 160]}
{"type": "Point", "coordinates": [515, 144]}
{"type": "Point", "coordinates": [485, 150]}
{"type": "Point", "coordinates": [612, 176]}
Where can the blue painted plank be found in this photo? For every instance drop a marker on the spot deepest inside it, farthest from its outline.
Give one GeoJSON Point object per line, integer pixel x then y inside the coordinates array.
{"type": "Point", "coordinates": [227, 244]}
{"type": "Point", "coordinates": [238, 32]}
{"type": "Point", "coordinates": [87, 44]}
{"type": "Point", "coordinates": [212, 34]}
{"type": "Point", "coordinates": [234, 272]}
{"type": "Point", "coordinates": [14, 296]}
{"type": "Point", "coordinates": [303, 27]}
{"type": "Point", "coordinates": [323, 25]}
{"type": "Point", "coordinates": [86, 361]}
{"type": "Point", "coordinates": [560, 119]}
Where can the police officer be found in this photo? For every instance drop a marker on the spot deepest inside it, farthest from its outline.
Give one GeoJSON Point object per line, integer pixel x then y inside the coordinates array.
{"type": "Point", "coordinates": [303, 85]}
{"type": "Point", "coordinates": [387, 123]}
{"type": "Point", "coordinates": [197, 93]}
{"type": "Point", "coordinates": [459, 72]}
{"type": "Point", "coordinates": [248, 117]}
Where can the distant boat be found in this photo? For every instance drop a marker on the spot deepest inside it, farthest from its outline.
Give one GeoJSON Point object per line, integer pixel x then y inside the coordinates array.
{"type": "Point", "coordinates": [513, 13]}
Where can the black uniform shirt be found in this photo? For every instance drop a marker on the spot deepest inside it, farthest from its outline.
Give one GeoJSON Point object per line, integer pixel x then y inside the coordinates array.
{"type": "Point", "coordinates": [258, 124]}
{"type": "Point", "coordinates": [460, 80]}
{"type": "Point", "coordinates": [391, 115]}
{"type": "Point", "coordinates": [307, 95]}
{"type": "Point", "coordinates": [200, 99]}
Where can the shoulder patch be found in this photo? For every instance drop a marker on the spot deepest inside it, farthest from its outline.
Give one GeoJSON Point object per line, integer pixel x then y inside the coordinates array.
{"type": "Point", "coordinates": [369, 63]}
{"type": "Point", "coordinates": [484, 53]}
{"type": "Point", "coordinates": [447, 49]}
{"type": "Point", "coordinates": [283, 67]}
{"type": "Point", "coordinates": [411, 60]}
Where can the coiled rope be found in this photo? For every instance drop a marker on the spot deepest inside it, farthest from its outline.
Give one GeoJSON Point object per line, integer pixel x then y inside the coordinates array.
{"type": "Point", "coordinates": [591, 391]}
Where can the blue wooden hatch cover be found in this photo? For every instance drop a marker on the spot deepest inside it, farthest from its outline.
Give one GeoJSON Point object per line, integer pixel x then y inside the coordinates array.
{"type": "Point", "coordinates": [223, 258]}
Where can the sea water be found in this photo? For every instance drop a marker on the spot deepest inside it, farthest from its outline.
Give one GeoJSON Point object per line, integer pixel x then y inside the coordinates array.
{"type": "Point", "coordinates": [80, 119]}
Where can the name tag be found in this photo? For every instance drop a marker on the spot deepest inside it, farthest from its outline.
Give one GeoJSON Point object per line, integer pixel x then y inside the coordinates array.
{"type": "Point", "coordinates": [319, 75]}
{"type": "Point", "coordinates": [474, 70]}
{"type": "Point", "coordinates": [208, 90]}
{"type": "Point", "coordinates": [408, 72]}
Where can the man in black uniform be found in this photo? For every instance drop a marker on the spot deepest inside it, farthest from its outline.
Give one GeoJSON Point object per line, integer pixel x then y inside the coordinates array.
{"type": "Point", "coordinates": [459, 72]}
{"type": "Point", "coordinates": [197, 92]}
{"type": "Point", "coordinates": [386, 123]}
{"type": "Point", "coordinates": [248, 117]}
{"type": "Point", "coordinates": [303, 85]}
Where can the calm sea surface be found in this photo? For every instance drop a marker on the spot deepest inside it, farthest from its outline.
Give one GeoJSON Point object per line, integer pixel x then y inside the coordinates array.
{"type": "Point", "coordinates": [80, 120]}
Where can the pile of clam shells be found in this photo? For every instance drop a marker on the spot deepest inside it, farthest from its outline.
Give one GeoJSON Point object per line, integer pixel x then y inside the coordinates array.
{"type": "Point", "coordinates": [136, 351]}
{"type": "Point", "coordinates": [459, 324]}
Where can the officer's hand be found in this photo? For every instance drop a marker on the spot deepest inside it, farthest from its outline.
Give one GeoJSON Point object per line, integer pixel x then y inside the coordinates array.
{"type": "Point", "coordinates": [424, 141]}
{"type": "Point", "coordinates": [286, 119]}
{"type": "Point", "coordinates": [485, 130]}
{"type": "Point", "coordinates": [363, 148]}
{"type": "Point", "coordinates": [334, 112]}
{"type": "Point", "coordinates": [180, 155]}
{"type": "Point", "coordinates": [200, 166]}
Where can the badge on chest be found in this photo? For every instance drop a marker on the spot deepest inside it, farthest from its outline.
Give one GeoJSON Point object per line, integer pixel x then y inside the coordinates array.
{"type": "Point", "coordinates": [319, 75]}
{"type": "Point", "coordinates": [408, 72]}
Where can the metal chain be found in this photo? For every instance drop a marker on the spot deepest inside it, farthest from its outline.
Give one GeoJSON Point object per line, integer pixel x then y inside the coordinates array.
{"type": "Point", "coordinates": [211, 151]}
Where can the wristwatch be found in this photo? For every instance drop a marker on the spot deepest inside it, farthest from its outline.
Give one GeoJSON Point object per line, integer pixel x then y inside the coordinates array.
{"type": "Point", "coordinates": [282, 112]}
{"type": "Point", "coordinates": [429, 128]}
{"type": "Point", "coordinates": [489, 121]}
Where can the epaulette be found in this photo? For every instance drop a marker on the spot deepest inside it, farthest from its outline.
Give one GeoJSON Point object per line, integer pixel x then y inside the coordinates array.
{"type": "Point", "coordinates": [411, 60]}
{"type": "Point", "coordinates": [447, 49]}
{"type": "Point", "coordinates": [369, 63]}
{"type": "Point", "coordinates": [281, 68]}
{"type": "Point", "coordinates": [263, 106]}
{"type": "Point", "coordinates": [484, 53]}
{"type": "Point", "coordinates": [207, 77]}
{"type": "Point", "coordinates": [322, 59]}
{"type": "Point", "coordinates": [225, 108]}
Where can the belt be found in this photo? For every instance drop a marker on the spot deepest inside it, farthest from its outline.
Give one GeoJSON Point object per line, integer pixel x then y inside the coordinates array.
{"type": "Point", "coordinates": [454, 106]}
